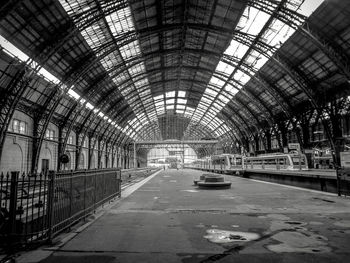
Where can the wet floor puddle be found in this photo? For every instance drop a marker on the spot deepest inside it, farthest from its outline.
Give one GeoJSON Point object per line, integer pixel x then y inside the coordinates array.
{"type": "Point", "coordinates": [293, 236]}
{"type": "Point", "coordinates": [343, 223]}
{"type": "Point", "coordinates": [225, 236]}
{"type": "Point", "coordinates": [297, 242]}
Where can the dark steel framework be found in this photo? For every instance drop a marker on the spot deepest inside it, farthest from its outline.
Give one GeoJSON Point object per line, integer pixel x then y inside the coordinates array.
{"type": "Point", "coordinates": [175, 47]}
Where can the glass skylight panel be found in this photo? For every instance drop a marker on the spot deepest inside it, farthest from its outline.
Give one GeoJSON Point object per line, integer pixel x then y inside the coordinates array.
{"type": "Point", "coordinates": [180, 106]}
{"type": "Point", "coordinates": [73, 94]}
{"type": "Point", "coordinates": [48, 76]}
{"type": "Point", "coordinates": [144, 93]}
{"type": "Point", "coordinates": [217, 107]}
{"type": "Point", "coordinates": [224, 99]}
{"type": "Point", "coordinates": [120, 21]}
{"type": "Point", "coordinates": [159, 103]}
{"type": "Point", "coordinates": [181, 101]}
{"type": "Point", "coordinates": [89, 106]}
{"type": "Point", "coordinates": [253, 20]}
{"type": "Point", "coordinates": [170, 101]}
{"type": "Point", "coordinates": [132, 121]}
{"type": "Point", "coordinates": [108, 63]}
{"type": "Point", "coordinates": [236, 49]}
{"type": "Point", "coordinates": [210, 92]}
{"type": "Point", "coordinates": [141, 82]}
{"type": "Point", "coordinates": [180, 111]}
{"type": "Point", "coordinates": [225, 68]}
{"type": "Point", "coordinates": [120, 78]}
{"type": "Point", "coordinates": [232, 90]}
{"type": "Point", "coordinates": [213, 111]}
{"type": "Point", "coordinates": [252, 58]}
{"type": "Point", "coordinates": [241, 77]}
{"type": "Point", "coordinates": [277, 33]}
{"type": "Point", "coordinates": [216, 81]}
{"type": "Point", "coordinates": [170, 107]}
{"type": "Point", "coordinates": [94, 35]}
{"type": "Point", "coordinates": [260, 61]}
{"type": "Point", "coordinates": [309, 6]}
{"type": "Point", "coordinates": [206, 100]}
{"type": "Point", "coordinates": [159, 97]}
{"type": "Point", "coordinates": [170, 94]}
{"type": "Point", "coordinates": [181, 94]}
{"type": "Point", "coordinates": [130, 50]}
{"type": "Point", "coordinates": [135, 70]}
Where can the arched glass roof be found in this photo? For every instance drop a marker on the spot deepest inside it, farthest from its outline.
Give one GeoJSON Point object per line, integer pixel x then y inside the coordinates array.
{"type": "Point", "coordinates": [222, 69]}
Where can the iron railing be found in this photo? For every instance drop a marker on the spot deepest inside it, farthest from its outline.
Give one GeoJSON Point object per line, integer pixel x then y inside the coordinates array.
{"type": "Point", "coordinates": [35, 207]}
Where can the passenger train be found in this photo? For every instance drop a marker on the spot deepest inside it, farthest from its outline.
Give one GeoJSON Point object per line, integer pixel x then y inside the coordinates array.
{"type": "Point", "coordinates": [234, 163]}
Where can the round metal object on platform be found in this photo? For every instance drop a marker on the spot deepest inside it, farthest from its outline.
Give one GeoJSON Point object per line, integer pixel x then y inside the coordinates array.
{"type": "Point", "coordinates": [213, 181]}
{"type": "Point", "coordinates": [201, 178]}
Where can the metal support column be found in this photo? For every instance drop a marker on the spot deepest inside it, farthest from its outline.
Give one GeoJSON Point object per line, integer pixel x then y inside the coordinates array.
{"type": "Point", "coordinates": [135, 161]}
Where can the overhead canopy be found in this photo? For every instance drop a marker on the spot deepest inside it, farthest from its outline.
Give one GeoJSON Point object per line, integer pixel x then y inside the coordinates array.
{"type": "Point", "coordinates": [177, 69]}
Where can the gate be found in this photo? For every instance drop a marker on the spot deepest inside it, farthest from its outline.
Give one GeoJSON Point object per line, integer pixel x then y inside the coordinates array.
{"type": "Point", "coordinates": [36, 207]}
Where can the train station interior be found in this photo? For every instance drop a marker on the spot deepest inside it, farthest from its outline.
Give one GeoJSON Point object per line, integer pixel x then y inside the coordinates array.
{"type": "Point", "coordinates": [174, 131]}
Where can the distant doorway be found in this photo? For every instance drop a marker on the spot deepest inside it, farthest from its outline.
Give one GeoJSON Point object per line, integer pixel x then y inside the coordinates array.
{"type": "Point", "coordinates": [45, 165]}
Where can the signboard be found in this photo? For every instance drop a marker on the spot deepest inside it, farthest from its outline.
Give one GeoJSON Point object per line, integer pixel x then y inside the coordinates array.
{"type": "Point", "coordinates": [294, 146]}
{"type": "Point", "coordinates": [172, 153]}
{"type": "Point", "coordinates": [345, 159]}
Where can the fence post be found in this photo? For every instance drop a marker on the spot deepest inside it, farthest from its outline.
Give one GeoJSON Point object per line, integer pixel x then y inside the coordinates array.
{"type": "Point", "coordinates": [119, 176]}
{"type": "Point", "coordinates": [95, 191]}
{"type": "Point", "coordinates": [85, 194]}
{"type": "Point", "coordinates": [338, 175]}
{"type": "Point", "coordinates": [13, 208]}
{"type": "Point", "coordinates": [50, 201]}
{"type": "Point", "coordinates": [70, 193]}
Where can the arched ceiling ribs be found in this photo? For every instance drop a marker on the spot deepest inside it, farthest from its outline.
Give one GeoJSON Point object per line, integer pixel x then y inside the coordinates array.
{"type": "Point", "coordinates": [232, 134]}
{"type": "Point", "coordinates": [131, 62]}
{"type": "Point", "coordinates": [336, 55]}
{"type": "Point", "coordinates": [235, 124]}
{"type": "Point", "coordinates": [260, 80]}
{"type": "Point", "coordinates": [8, 6]}
{"type": "Point", "coordinates": [160, 36]}
{"type": "Point", "coordinates": [240, 62]}
{"type": "Point", "coordinates": [243, 119]}
{"type": "Point", "coordinates": [283, 13]}
{"type": "Point", "coordinates": [242, 105]}
{"type": "Point", "coordinates": [184, 18]}
{"type": "Point", "coordinates": [198, 129]}
{"type": "Point", "coordinates": [258, 103]}
{"type": "Point", "coordinates": [117, 139]}
{"type": "Point", "coordinates": [109, 47]}
{"type": "Point", "coordinates": [299, 22]}
{"type": "Point", "coordinates": [155, 70]}
{"type": "Point", "coordinates": [169, 80]}
{"type": "Point", "coordinates": [68, 30]}
{"type": "Point", "coordinates": [138, 59]}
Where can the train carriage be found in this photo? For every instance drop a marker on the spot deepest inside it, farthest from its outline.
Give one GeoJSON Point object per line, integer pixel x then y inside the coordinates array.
{"type": "Point", "coordinates": [278, 161]}
{"type": "Point", "coordinates": [227, 163]}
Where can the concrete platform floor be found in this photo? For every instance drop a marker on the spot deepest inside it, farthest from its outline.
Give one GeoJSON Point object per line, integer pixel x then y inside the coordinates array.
{"type": "Point", "coordinates": [168, 219]}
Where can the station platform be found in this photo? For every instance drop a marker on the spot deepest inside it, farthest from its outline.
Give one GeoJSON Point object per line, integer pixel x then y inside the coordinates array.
{"type": "Point", "coordinates": [165, 218]}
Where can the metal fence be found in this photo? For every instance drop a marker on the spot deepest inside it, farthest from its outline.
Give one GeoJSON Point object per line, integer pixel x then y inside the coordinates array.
{"type": "Point", "coordinates": [35, 207]}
